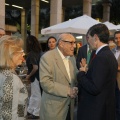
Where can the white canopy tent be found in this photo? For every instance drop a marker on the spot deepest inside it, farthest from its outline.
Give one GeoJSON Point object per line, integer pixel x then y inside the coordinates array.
{"type": "Point", "coordinates": [110, 25]}
{"type": "Point", "coordinates": [112, 28]}
{"type": "Point", "coordinates": [78, 25]}
{"type": "Point", "coordinates": [118, 27]}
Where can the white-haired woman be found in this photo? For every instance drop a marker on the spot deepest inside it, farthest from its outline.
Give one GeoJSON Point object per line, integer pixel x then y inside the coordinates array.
{"type": "Point", "coordinates": [13, 94]}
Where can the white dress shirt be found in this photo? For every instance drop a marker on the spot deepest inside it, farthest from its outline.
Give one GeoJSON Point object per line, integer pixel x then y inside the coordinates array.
{"type": "Point", "coordinates": [66, 62]}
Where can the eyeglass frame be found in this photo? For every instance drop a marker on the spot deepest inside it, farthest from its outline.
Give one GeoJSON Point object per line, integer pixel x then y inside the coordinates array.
{"type": "Point", "coordinates": [72, 43]}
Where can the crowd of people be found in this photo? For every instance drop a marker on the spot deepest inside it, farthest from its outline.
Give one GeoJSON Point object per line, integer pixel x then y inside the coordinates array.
{"type": "Point", "coordinates": [57, 77]}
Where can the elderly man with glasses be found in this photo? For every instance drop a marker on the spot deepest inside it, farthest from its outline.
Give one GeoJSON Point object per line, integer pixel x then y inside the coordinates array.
{"type": "Point", "coordinates": [58, 78]}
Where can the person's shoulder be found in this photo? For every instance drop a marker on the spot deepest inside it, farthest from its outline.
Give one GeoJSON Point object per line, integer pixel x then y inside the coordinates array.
{"type": "Point", "coordinates": [113, 50]}
{"type": "Point", "coordinates": [83, 47]}
{"type": "Point", "coordinates": [49, 53]}
{"type": "Point", "coordinates": [15, 76]}
{"type": "Point", "coordinates": [2, 77]}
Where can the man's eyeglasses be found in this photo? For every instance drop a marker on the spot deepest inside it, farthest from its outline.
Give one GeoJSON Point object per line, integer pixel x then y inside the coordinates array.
{"type": "Point", "coordinates": [72, 43]}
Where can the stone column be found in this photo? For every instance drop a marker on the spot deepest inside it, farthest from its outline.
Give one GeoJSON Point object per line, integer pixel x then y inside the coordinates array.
{"type": "Point", "coordinates": [87, 4]}
{"type": "Point", "coordinates": [35, 17]}
{"type": "Point", "coordinates": [106, 11]}
{"type": "Point", "coordinates": [63, 14]}
{"type": "Point", "coordinates": [55, 12]}
{"type": "Point", "coordinates": [2, 14]}
{"type": "Point", "coordinates": [24, 26]}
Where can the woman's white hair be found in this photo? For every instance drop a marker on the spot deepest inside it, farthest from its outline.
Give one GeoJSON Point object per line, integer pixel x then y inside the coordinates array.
{"type": "Point", "coordinates": [8, 46]}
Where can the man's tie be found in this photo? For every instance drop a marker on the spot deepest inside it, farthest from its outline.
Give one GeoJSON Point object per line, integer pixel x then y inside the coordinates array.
{"type": "Point", "coordinates": [88, 56]}
{"type": "Point", "coordinates": [94, 55]}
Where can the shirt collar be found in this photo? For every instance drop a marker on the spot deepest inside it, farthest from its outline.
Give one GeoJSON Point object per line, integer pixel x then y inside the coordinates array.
{"type": "Point", "coordinates": [100, 48]}
{"type": "Point", "coordinates": [62, 56]}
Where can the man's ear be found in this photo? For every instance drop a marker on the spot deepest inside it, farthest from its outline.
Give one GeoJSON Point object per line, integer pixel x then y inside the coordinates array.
{"type": "Point", "coordinates": [60, 44]}
{"type": "Point", "coordinates": [96, 37]}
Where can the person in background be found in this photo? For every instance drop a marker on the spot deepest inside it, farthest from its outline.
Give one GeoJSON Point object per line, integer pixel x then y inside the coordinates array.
{"type": "Point", "coordinates": [34, 53]}
{"type": "Point", "coordinates": [58, 78]}
{"type": "Point", "coordinates": [78, 45]}
{"type": "Point", "coordinates": [116, 52]}
{"type": "Point", "coordinates": [2, 32]}
{"type": "Point", "coordinates": [84, 52]}
{"type": "Point", "coordinates": [13, 94]}
{"type": "Point", "coordinates": [51, 43]}
{"type": "Point", "coordinates": [111, 43]}
{"type": "Point", "coordinates": [97, 97]}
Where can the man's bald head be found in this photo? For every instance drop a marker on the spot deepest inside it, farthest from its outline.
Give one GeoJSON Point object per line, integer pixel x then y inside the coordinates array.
{"type": "Point", "coordinates": [66, 44]}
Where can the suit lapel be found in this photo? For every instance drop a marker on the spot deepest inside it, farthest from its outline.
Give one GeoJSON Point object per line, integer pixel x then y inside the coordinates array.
{"type": "Point", "coordinates": [60, 64]}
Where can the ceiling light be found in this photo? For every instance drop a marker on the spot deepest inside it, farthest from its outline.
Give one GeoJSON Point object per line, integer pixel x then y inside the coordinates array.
{"type": "Point", "coordinates": [6, 4]}
{"type": "Point", "coordinates": [45, 1]}
{"type": "Point", "coordinates": [17, 6]}
{"type": "Point", "coordinates": [79, 37]}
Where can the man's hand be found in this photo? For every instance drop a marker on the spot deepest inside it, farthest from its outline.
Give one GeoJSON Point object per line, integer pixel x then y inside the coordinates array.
{"type": "Point", "coordinates": [85, 68]}
{"type": "Point", "coordinates": [73, 92]}
{"type": "Point", "coordinates": [83, 62]}
{"type": "Point", "coordinates": [83, 65]}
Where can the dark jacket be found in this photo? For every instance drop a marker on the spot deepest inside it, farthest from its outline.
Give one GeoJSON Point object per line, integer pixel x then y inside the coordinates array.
{"type": "Point", "coordinates": [82, 53]}
{"type": "Point", "coordinates": [33, 59]}
{"type": "Point", "coordinates": [97, 88]}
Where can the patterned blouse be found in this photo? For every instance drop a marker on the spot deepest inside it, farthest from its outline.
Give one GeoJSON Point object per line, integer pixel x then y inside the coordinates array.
{"type": "Point", "coordinates": [13, 96]}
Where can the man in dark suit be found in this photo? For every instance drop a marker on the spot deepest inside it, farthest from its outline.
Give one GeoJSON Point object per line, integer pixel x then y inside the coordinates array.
{"type": "Point", "coordinates": [83, 52]}
{"type": "Point", "coordinates": [97, 97]}
{"type": "Point", "coordinates": [116, 52]}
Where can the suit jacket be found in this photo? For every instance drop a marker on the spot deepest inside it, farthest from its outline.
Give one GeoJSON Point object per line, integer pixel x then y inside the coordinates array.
{"type": "Point", "coordinates": [97, 97]}
{"type": "Point", "coordinates": [82, 53]}
{"type": "Point", "coordinates": [55, 82]}
{"type": "Point", "coordinates": [118, 73]}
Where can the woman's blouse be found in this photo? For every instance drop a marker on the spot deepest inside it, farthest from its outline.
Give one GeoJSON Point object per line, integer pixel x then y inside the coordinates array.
{"type": "Point", "coordinates": [13, 96]}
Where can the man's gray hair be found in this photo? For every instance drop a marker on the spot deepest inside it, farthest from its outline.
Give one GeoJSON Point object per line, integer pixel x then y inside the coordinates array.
{"type": "Point", "coordinates": [60, 37]}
